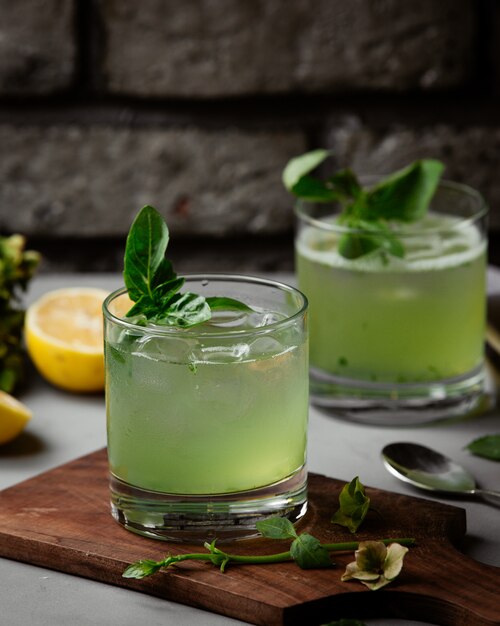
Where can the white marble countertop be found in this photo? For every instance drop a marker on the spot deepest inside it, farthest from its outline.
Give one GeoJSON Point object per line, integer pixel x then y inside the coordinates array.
{"type": "Point", "coordinates": [66, 426]}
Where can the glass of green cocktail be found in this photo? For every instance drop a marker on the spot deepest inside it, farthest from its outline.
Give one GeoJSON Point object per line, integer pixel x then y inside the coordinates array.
{"type": "Point", "coordinates": [397, 306]}
{"type": "Point", "coordinates": [207, 422]}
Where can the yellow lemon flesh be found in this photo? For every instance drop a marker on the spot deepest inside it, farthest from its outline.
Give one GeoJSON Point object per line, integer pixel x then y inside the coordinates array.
{"type": "Point", "coordinates": [13, 417]}
{"type": "Point", "coordinates": [64, 338]}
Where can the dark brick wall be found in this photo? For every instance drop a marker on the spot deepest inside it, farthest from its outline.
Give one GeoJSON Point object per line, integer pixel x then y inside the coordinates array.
{"type": "Point", "coordinates": [196, 106]}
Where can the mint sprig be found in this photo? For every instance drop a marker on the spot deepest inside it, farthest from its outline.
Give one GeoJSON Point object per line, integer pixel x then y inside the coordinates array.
{"type": "Point", "coordinates": [306, 551]}
{"type": "Point", "coordinates": [369, 213]}
{"type": "Point", "coordinates": [154, 286]}
{"type": "Point", "coordinates": [354, 505]}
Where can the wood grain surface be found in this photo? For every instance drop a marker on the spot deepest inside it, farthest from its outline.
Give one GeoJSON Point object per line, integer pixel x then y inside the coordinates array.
{"type": "Point", "coordinates": [61, 520]}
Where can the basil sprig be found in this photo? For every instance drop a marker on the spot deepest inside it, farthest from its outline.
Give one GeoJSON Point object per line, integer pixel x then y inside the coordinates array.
{"type": "Point", "coordinates": [487, 447]}
{"type": "Point", "coordinates": [152, 283]}
{"type": "Point", "coordinates": [403, 196]}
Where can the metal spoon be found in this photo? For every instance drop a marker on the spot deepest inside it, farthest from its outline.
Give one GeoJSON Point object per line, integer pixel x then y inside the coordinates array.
{"type": "Point", "coordinates": [427, 469]}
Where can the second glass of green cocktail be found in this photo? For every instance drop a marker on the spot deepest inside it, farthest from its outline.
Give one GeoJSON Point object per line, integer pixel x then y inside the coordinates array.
{"type": "Point", "coordinates": [207, 423]}
{"type": "Point", "coordinates": [397, 289]}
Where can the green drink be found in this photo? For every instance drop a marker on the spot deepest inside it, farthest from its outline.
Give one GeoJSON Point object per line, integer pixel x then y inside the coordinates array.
{"type": "Point", "coordinates": [207, 425]}
{"type": "Point", "coordinates": [391, 333]}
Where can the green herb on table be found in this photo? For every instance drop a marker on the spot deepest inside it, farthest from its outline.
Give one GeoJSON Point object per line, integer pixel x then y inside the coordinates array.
{"type": "Point", "coordinates": [369, 212]}
{"type": "Point", "coordinates": [154, 286]}
{"type": "Point", "coordinates": [305, 550]}
{"type": "Point", "coordinates": [17, 267]}
{"type": "Point", "coordinates": [354, 505]}
{"type": "Point", "coordinates": [376, 564]}
{"type": "Point", "coordinates": [487, 447]}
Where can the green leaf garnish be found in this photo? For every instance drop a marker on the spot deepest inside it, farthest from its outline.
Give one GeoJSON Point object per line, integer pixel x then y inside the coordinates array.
{"type": "Point", "coordinates": [277, 528]}
{"type": "Point", "coordinates": [300, 166]}
{"type": "Point", "coordinates": [487, 447]}
{"type": "Point", "coordinates": [145, 249]}
{"type": "Point", "coordinates": [308, 552]}
{"type": "Point", "coordinates": [403, 196]}
{"type": "Point", "coordinates": [142, 568]}
{"type": "Point", "coordinates": [217, 303]}
{"type": "Point", "coordinates": [152, 283]}
{"type": "Point", "coordinates": [354, 505]}
{"type": "Point", "coordinates": [305, 550]}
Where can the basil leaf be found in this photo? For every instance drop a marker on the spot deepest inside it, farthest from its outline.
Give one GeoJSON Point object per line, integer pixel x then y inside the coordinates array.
{"type": "Point", "coordinates": [313, 190]}
{"type": "Point", "coordinates": [144, 252]}
{"type": "Point", "coordinates": [487, 447]}
{"type": "Point", "coordinates": [354, 505]}
{"type": "Point", "coordinates": [167, 289]}
{"type": "Point", "coordinates": [302, 165]}
{"type": "Point", "coordinates": [352, 246]}
{"type": "Point", "coordinates": [152, 283]}
{"type": "Point", "coordinates": [142, 568]}
{"type": "Point", "coordinates": [404, 195]}
{"type": "Point", "coordinates": [372, 236]}
{"type": "Point", "coordinates": [163, 274]}
{"type": "Point", "coordinates": [183, 310]}
{"type": "Point", "coordinates": [346, 184]}
{"type": "Point", "coordinates": [217, 303]}
{"type": "Point", "coordinates": [276, 528]}
{"type": "Point", "coordinates": [308, 552]}
{"type": "Point", "coordinates": [145, 305]}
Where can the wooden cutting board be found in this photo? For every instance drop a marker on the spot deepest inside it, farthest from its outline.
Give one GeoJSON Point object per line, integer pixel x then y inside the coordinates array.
{"type": "Point", "coordinates": [61, 520]}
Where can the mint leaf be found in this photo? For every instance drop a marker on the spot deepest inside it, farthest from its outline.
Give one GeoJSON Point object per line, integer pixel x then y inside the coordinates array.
{"type": "Point", "coordinates": [145, 249]}
{"type": "Point", "coordinates": [142, 568]}
{"type": "Point", "coordinates": [276, 528]}
{"type": "Point", "coordinates": [313, 190]}
{"type": "Point", "coordinates": [354, 505]}
{"type": "Point", "coordinates": [217, 303]}
{"type": "Point", "coordinates": [308, 552]}
{"type": "Point", "coordinates": [405, 195]}
{"type": "Point", "coordinates": [346, 185]}
{"type": "Point", "coordinates": [152, 283]}
{"type": "Point", "coordinates": [183, 310]}
{"type": "Point", "coordinates": [487, 447]}
{"type": "Point", "coordinates": [372, 236]}
{"type": "Point", "coordinates": [299, 166]}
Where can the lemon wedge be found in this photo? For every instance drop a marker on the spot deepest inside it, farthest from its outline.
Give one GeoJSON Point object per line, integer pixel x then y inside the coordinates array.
{"type": "Point", "coordinates": [64, 338]}
{"type": "Point", "coordinates": [13, 417]}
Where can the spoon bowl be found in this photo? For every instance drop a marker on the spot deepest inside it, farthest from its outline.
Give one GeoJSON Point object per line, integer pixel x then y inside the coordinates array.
{"type": "Point", "coordinates": [427, 469]}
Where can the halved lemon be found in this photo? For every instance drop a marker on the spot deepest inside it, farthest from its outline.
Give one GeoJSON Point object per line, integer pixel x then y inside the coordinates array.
{"type": "Point", "coordinates": [14, 416]}
{"type": "Point", "coordinates": [64, 338]}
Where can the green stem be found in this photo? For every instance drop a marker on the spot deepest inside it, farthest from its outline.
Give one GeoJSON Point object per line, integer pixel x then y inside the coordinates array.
{"type": "Point", "coordinates": [221, 559]}
{"type": "Point", "coordinates": [280, 557]}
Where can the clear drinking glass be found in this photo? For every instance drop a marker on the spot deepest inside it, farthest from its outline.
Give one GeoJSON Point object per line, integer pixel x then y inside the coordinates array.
{"type": "Point", "coordinates": [207, 426]}
{"type": "Point", "coordinates": [398, 340]}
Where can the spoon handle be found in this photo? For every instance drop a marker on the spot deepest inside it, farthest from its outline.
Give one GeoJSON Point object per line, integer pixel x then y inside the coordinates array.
{"type": "Point", "coordinates": [492, 497]}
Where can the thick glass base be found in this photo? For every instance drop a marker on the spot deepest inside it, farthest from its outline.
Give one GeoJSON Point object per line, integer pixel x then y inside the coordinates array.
{"type": "Point", "coordinates": [399, 404]}
{"type": "Point", "coordinates": [188, 518]}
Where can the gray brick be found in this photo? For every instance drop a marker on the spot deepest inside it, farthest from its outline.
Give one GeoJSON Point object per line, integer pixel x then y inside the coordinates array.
{"type": "Point", "coordinates": [470, 154]}
{"type": "Point", "coordinates": [37, 48]}
{"type": "Point", "coordinates": [232, 47]}
{"type": "Point", "coordinates": [91, 181]}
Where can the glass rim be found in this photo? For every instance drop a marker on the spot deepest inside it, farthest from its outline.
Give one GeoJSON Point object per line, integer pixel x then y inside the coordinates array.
{"type": "Point", "coordinates": [301, 204]}
{"type": "Point", "coordinates": [193, 331]}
